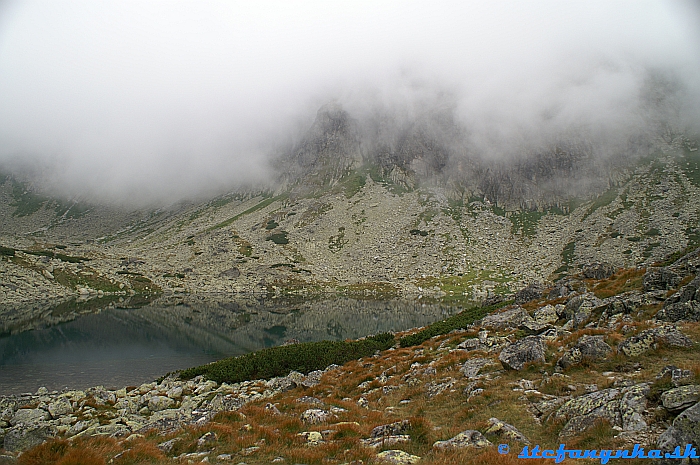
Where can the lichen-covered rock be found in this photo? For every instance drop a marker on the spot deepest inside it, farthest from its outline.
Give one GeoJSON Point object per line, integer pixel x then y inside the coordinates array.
{"type": "Point", "coordinates": [312, 438]}
{"type": "Point", "coordinates": [312, 379]}
{"type": "Point", "coordinates": [684, 430]}
{"type": "Point", "coordinates": [660, 279]}
{"type": "Point", "coordinates": [29, 416]}
{"type": "Point", "coordinates": [468, 438]}
{"type": "Point", "coordinates": [60, 406]}
{"type": "Point", "coordinates": [512, 318]}
{"type": "Point", "coordinates": [398, 457]}
{"type": "Point", "coordinates": [680, 311]}
{"type": "Point", "coordinates": [680, 398]}
{"type": "Point", "coordinates": [621, 407]}
{"type": "Point", "coordinates": [516, 355]}
{"type": "Point", "coordinates": [505, 431]}
{"type": "Point", "coordinates": [546, 315]}
{"type": "Point", "coordinates": [651, 338]}
{"type": "Point", "coordinates": [587, 347]}
{"type": "Point", "coordinates": [315, 415]}
{"type": "Point", "coordinates": [22, 437]}
{"type": "Point", "coordinates": [578, 308]}
{"type": "Point", "coordinates": [158, 403]}
{"type": "Point", "coordinates": [392, 429]}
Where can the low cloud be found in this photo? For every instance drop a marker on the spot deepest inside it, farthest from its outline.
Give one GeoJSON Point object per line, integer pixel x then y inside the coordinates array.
{"type": "Point", "coordinates": [152, 102]}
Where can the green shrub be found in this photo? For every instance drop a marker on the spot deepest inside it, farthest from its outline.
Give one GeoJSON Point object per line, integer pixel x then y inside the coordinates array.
{"type": "Point", "coordinates": [279, 238]}
{"type": "Point", "coordinates": [279, 361]}
{"type": "Point", "coordinates": [7, 251]}
{"type": "Point", "coordinates": [458, 321]}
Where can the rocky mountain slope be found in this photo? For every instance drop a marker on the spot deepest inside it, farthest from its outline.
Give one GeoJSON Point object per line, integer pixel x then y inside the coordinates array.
{"type": "Point", "coordinates": [342, 221]}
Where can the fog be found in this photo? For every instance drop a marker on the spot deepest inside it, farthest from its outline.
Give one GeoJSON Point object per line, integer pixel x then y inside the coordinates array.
{"type": "Point", "coordinates": [146, 102]}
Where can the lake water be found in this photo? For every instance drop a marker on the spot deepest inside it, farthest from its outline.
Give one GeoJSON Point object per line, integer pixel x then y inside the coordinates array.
{"type": "Point", "coordinates": [118, 347]}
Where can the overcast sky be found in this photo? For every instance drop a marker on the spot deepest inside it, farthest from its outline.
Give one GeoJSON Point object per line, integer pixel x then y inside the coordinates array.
{"type": "Point", "coordinates": [159, 100]}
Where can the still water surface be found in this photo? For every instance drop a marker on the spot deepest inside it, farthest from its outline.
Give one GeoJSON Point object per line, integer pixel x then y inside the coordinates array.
{"type": "Point", "coordinates": [122, 347]}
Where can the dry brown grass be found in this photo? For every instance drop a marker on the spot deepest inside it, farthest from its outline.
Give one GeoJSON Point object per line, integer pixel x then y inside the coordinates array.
{"type": "Point", "coordinates": [622, 281]}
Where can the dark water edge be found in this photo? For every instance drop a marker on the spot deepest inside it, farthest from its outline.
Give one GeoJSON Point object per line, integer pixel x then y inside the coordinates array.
{"type": "Point", "coordinates": [117, 347]}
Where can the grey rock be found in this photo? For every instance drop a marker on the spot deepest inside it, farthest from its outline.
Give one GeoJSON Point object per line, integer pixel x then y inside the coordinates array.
{"type": "Point", "coordinates": [207, 439]}
{"type": "Point", "coordinates": [272, 409]}
{"type": "Point", "coordinates": [680, 398]}
{"type": "Point", "coordinates": [531, 292]}
{"type": "Point", "coordinates": [505, 431]}
{"type": "Point", "coordinates": [676, 374]}
{"type": "Point", "coordinates": [472, 367]}
{"type": "Point", "coordinates": [230, 273]}
{"type": "Point", "coordinates": [578, 309]}
{"type": "Point", "coordinates": [468, 438]}
{"type": "Point", "coordinates": [314, 416]}
{"type": "Point", "coordinates": [651, 338]}
{"type": "Point", "coordinates": [663, 279]}
{"type": "Point", "coordinates": [312, 379]}
{"type": "Point", "coordinates": [587, 347]}
{"type": "Point", "coordinates": [21, 438]}
{"type": "Point", "coordinates": [685, 430]}
{"type": "Point", "coordinates": [516, 355]}
{"type": "Point", "coordinates": [392, 429]}
{"type": "Point", "coordinates": [7, 459]}
{"type": "Point", "coordinates": [680, 311]}
{"type": "Point", "coordinates": [598, 270]}
{"type": "Point", "coordinates": [158, 403]}
{"type": "Point", "coordinates": [632, 406]}
{"type": "Point", "coordinates": [398, 457]}
{"type": "Point", "coordinates": [546, 315]}
{"type": "Point", "coordinates": [60, 406]}
{"type": "Point", "coordinates": [167, 446]}
{"type": "Point", "coordinates": [29, 416]}
{"type": "Point", "coordinates": [512, 318]}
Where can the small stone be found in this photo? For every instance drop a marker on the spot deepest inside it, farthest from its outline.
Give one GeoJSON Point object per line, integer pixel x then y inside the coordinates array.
{"type": "Point", "coordinates": [468, 438]}
{"type": "Point", "coordinates": [398, 457]}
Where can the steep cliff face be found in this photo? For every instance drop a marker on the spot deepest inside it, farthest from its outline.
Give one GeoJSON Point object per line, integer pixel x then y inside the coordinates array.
{"type": "Point", "coordinates": [433, 149]}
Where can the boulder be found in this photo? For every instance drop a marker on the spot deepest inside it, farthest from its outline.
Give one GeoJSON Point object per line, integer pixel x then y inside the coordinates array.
{"type": "Point", "coordinates": [680, 311]}
{"type": "Point", "coordinates": [546, 315]}
{"type": "Point", "coordinates": [684, 430]}
{"type": "Point", "coordinates": [598, 270]}
{"type": "Point", "coordinates": [468, 438]}
{"type": "Point", "coordinates": [397, 457]}
{"type": "Point", "coordinates": [529, 293]}
{"type": "Point", "coordinates": [312, 379]}
{"type": "Point", "coordinates": [660, 279]}
{"type": "Point", "coordinates": [505, 431]}
{"type": "Point", "coordinates": [392, 429]}
{"type": "Point", "coordinates": [315, 415]}
{"type": "Point", "coordinates": [587, 347]}
{"type": "Point", "coordinates": [680, 398]}
{"type": "Point", "coordinates": [23, 437]}
{"type": "Point", "coordinates": [651, 338]}
{"type": "Point", "coordinates": [29, 416]}
{"type": "Point", "coordinates": [60, 406]}
{"type": "Point", "coordinates": [516, 355]}
{"type": "Point", "coordinates": [158, 403]}
{"type": "Point", "coordinates": [512, 318]}
{"type": "Point", "coordinates": [578, 309]}
{"type": "Point", "coordinates": [472, 367]}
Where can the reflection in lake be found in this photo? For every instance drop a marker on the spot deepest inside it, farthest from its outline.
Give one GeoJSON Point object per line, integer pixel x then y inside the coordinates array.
{"type": "Point", "coordinates": [120, 347]}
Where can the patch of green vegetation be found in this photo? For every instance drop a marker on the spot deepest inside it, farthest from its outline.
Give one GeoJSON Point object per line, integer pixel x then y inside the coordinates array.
{"type": "Point", "coordinates": [353, 183]}
{"type": "Point", "coordinates": [280, 361]}
{"type": "Point", "coordinates": [25, 202]}
{"type": "Point", "coordinates": [87, 278]}
{"type": "Point", "coordinates": [73, 210]}
{"type": "Point", "coordinates": [653, 232]}
{"type": "Point", "coordinates": [459, 321]}
{"type": "Point", "coordinates": [174, 275]}
{"type": "Point", "coordinates": [372, 290]}
{"type": "Point", "coordinates": [567, 257]}
{"type": "Point", "coordinates": [60, 256]}
{"type": "Point", "coordinates": [603, 200]}
{"type": "Point", "coordinates": [337, 242]}
{"type": "Point", "coordinates": [7, 251]}
{"type": "Point", "coordinates": [266, 202]}
{"type": "Point", "coordinates": [690, 164]}
{"type": "Point", "coordinates": [418, 232]}
{"type": "Point", "coordinates": [280, 265]}
{"type": "Point", "coordinates": [272, 224]}
{"type": "Point", "coordinates": [189, 242]}
{"type": "Point", "coordinates": [672, 258]}
{"type": "Point", "coordinates": [279, 238]}
{"type": "Point", "coordinates": [633, 238]}
{"type": "Point", "coordinates": [375, 173]}
{"type": "Point", "coordinates": [358, 219]}
{"type": "Point", "coordinates": [526, 221]}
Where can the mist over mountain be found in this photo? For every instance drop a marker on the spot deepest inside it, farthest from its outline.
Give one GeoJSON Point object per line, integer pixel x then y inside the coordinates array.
{"type": "Point", "coordinates": [148, 104]}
